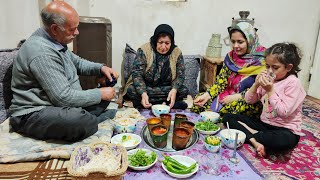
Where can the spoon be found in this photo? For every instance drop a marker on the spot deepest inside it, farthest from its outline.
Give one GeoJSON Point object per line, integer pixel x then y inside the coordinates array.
{"type": "Point", "coordinates": [228, 131]}
{"type": "Point", "coordinates": [234, 158]}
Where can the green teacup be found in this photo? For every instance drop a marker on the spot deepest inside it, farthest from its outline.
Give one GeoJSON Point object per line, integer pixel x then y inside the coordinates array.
{"type": "Point", "coordinates": [159, 135]}
{"type": "Point", "coordinates": [178, 118]}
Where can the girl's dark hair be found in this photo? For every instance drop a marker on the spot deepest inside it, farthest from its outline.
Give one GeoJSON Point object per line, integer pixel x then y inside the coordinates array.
{"type": "Point", "coordinates": [237, 30]}
{"type": "Point", "coordinates": [286, 53]}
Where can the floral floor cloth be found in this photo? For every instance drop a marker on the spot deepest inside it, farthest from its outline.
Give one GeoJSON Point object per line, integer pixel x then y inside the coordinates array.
{"type": "Point", "coordinates": [304, 162]}
{"type": "Point", "coordinates": [301, 163]}
{"type": "Point", "coordinates": [15, 147]}
{"type": "Point", "coordinates": [211, 165]}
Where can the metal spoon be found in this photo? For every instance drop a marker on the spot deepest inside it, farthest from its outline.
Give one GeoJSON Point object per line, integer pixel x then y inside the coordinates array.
{"type": "Point", "coordinates": [234, 158]}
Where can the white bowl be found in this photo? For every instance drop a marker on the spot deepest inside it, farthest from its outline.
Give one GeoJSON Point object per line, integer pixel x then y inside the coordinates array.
{"type": "Point", "coordinates": [160, 109]}
{"type": "Point", "coordinates": [125, 125]}
{"type": "Point", "coordinates": [212, 148]}
{"type": "Point", "coordinates": [229, 139]}
{"type": "Point", "coordinates": [130, 144]}
{"type": "Point", "coordinates": [207, 132]}
{"type": "Point", "coordinates": [209, 116]}
{"type": "Point", "coordinates": [141, 168]}
{"type": "Point", "coordinates": [185, 160]}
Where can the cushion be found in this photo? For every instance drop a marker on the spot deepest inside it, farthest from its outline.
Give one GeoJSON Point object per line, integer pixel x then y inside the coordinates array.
{"type": "Point", "coordinates": [128, 57]}
{"type": "Point", "coordinates": [6, 59]}
{"type": "Point", "coordinates": [192, 63]}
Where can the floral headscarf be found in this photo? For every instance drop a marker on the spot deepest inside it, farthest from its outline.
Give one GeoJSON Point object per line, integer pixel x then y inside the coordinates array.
{"type": "Point", "coordinates": [253, 62]}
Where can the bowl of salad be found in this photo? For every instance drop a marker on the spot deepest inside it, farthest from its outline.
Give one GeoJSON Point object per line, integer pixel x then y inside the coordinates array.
{"type": "Point", "coordinates": [212, 143]}
{"type": "Point", "coordinates": [141, 159]}
{"type": "Point", "coordinates": [207, 127]}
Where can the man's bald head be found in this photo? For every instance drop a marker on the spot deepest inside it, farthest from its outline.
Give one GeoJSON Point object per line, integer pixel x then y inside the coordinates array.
{"type": "Point", "coordinates": [57, 12]}
{"type": "Point", "coordinates": [60, 21]}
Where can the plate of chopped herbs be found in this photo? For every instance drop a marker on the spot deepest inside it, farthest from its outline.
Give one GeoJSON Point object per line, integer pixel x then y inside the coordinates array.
{"type": "Point", "coordinates": [141, 159]}
{"type": "Point", "coordinates": [207, 127]}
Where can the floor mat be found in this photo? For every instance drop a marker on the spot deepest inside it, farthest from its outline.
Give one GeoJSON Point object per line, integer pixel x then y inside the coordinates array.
{"type": "Point", "coordinates": [303, 162]}
{"type": "Point", "coordinates": [18, 148]}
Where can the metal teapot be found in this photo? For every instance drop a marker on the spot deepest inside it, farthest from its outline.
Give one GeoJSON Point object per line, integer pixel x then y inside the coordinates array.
{"type": "Point", "coordinates": [243, 18]}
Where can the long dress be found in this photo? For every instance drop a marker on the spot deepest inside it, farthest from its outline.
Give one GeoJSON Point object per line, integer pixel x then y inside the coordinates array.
{"type": "Point", "coordinates": [225, 84]}
{"type": "Point", "coordinates": [237, 76]}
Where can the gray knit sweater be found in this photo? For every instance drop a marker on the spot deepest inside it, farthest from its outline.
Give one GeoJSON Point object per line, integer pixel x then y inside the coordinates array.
{"type": "Point", "coordinates": [44, 76]}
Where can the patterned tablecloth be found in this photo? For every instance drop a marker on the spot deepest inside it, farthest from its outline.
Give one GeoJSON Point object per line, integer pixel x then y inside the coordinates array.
{"type": "Point", "coordinates": [211, 165]}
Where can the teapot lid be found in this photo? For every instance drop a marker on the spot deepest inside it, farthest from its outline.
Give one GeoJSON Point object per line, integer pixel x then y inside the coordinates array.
{"type": "Point", "coordinates": [243, 18]}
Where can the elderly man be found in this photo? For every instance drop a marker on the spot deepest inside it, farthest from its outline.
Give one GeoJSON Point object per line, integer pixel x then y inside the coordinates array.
{"type": "Point", "coordinates": [48, 101]}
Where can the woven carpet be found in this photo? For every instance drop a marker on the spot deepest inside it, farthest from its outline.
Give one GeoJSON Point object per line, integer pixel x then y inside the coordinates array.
{"type": "Point", "coordinates": [302, 163]}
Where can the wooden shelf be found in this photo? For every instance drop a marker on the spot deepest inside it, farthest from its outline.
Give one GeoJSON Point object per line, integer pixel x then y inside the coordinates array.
{"type": "Point", "coordinates": [208, 72]}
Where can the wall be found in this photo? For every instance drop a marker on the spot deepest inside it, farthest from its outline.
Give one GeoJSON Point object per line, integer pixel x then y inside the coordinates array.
{"type": "Point", "coordinates": [18, 20]}
{"type": "Point", "coordinates": [133, 22]}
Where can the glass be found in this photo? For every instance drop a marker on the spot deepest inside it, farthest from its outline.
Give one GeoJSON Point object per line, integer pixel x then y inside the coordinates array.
{"type": "Point", "coordinates": [153, 121]}
{"type": "Point", "coordinates": [178, 118]}
{"type": "Point", "coordinates": [180, 138]}
{"type": "Point", "coordinates": [166, 120]}
{"type": "Point", "coordinates": [159, 138]}
{"type": "Point", "coordinates": [188, 125]}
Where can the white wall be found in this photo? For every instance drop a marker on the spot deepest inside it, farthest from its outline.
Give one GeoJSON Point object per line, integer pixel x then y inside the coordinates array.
{"type": "Point", "coordinates": [18, 20]}
{"type": "Point", "coordinates": [133, 22]}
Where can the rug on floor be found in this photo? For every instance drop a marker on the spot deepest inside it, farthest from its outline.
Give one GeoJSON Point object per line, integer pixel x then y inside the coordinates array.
{"type": "Point", "coordinates": [303, 162]}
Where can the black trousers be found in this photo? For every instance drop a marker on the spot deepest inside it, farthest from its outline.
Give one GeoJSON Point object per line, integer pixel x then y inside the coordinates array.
{"type": "Point", "coordinates": [272, 137]}
{"type": "Point", "coordinates": [62, 123]}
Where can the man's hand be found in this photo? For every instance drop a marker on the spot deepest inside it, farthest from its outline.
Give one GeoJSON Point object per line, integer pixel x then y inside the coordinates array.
{"type": "Point", "coordinates": [172, 97]}
{"type": "Point", "coordinates": [145, 100]}
{"type": "Point", "coordinates": [107, 93]}
{"type": "Point", "coordinates": [105, 70]}
{"type": "Point", "coordinates": [230, 98]}
{"type": "Point", "coordinates": [201, 100]}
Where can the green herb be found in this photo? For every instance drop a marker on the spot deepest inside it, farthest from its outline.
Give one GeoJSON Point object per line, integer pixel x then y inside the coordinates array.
{"type": "Point", "coordinates": [124, 138]}
{"type": "Point", "coordinates": [207, 126]}
{"type": "Point", "coordinates": [141, 158]}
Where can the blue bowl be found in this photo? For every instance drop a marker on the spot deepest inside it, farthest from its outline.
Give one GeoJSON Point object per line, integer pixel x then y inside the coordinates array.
{"type": "Point", "coordinates": [125, 125]}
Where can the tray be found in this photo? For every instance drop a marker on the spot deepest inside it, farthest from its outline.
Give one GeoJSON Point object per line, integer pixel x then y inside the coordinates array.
{"type": "Point", "coordinates": [147, 139]}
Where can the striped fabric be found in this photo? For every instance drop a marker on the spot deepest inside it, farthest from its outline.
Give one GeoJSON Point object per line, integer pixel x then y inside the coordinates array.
{"type": "Point", "coordinates": [51, 169]}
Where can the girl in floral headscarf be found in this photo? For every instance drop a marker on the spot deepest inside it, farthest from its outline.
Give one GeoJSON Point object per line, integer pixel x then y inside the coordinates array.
{"type": "Point", "coordinates": [241, 65]}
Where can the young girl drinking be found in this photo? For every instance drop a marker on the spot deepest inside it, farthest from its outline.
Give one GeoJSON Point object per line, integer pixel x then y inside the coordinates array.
{"type": "Point", "coordinates": [282, 95]}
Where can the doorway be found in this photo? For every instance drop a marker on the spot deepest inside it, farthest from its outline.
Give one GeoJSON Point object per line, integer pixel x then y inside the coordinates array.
{"type": "Point", "coordinates": [314, 86]}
